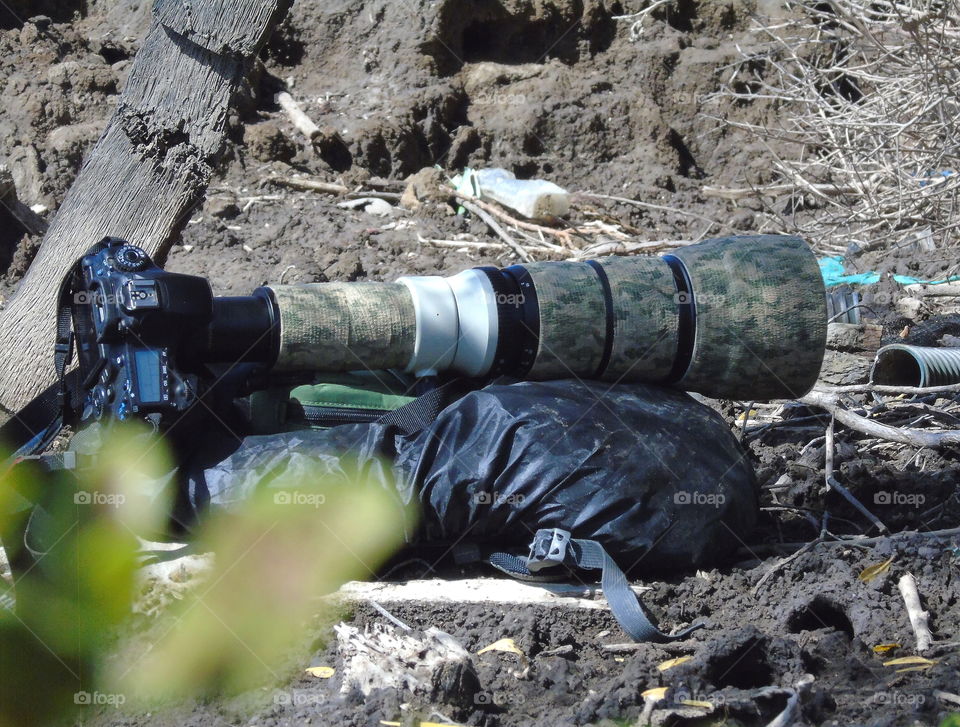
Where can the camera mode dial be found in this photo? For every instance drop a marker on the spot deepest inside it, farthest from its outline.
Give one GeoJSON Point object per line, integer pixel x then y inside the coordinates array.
{"type": "Point", "coordinates": [131, 259]}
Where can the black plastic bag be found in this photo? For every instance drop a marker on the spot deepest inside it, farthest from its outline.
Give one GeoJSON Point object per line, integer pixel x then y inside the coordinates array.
{"type": "Point", "coordinates": [653, 475]}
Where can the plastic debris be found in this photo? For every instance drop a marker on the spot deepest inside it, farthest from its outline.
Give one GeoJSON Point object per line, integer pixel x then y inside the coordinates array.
{"type": "Point", "coordinates": [535, 199]}
{"type": "Point", "coordinates": [884, 648]}
{"type": "Point", "coordinates": [834, 274]}
{"type": "Point", "coordinates": [913, 663]}
{"type": "Point", "coordinates": [505, 645]}
{"type": "Point", "coordinates": [655, 695]}
{"type": "Point", "coordinates": [671, 663]}
{"type": "Point", "coordinates": [371, 205]}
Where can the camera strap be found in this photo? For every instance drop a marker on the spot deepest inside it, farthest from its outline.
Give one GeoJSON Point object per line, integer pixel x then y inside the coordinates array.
{"type": "Point", "coordinates": [424, 410]}
{"type": "Point", "coordinates": [35, 426]}
{"type": "Point", "coordinates": [554, 547]}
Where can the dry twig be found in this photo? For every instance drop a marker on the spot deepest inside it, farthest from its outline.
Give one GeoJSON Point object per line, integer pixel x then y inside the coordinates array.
{"type": "Point", "coordinates": [872, 94]}
{"type": "Point", "coordinates": [298, 117]}
{"type": "Point", "coordinates": [829, 402]}
{"type": "Point", "coordinates": [919, 619]}
{"type": "Point", "coordinates": [498, 229]}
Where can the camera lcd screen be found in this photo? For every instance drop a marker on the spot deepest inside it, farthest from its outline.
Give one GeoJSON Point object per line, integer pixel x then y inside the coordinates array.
{"type": "Point", "coordinates": [149, 384]}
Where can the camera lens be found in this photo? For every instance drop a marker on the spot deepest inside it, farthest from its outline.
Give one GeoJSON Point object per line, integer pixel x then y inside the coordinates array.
{"type": "Point", "coordinates": [735, 317]}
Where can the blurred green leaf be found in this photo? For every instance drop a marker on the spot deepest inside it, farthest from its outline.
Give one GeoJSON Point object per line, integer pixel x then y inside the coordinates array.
{"type": "Point", "coordinates": [275, 557]}
{"type": "Point", "coordinates": [76, 560]}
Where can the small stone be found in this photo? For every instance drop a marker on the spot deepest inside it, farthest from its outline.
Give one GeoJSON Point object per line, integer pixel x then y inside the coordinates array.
{"type": "Point", "coordinates": [427, 184]}
{"type": "Point", "coordinates": [378, 208]}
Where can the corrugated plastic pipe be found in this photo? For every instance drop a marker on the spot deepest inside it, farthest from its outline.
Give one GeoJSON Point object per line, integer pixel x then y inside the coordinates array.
{"type": "Point", "coordinates": [902, 365]}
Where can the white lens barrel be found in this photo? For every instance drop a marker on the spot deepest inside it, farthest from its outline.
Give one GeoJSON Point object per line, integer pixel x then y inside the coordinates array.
{"type": "Point", "coordinates": [479, 322]}
{"type": "Point", "coordinates": [456, 323]}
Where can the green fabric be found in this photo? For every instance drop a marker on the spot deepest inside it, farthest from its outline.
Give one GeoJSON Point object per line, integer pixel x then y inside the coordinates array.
{"type": "Point", "coordinates": [344, 396]}
{"type": "Point", "coordinates": [272, 409]}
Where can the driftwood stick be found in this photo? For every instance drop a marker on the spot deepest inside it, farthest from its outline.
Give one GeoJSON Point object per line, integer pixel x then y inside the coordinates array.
{"type": "Point", "coordinates": [949, 697]}
{"type": "Point", "coordinates": [857, 541]}
{"type": "Point", "coordinates": [299, 118]}
{"type": "Point", "coordinates": [848, 496]}
{"type": "Point", "coordinates": [837, 487]}
{"type": "Point", "coordinates": [473, 244]}
{"type": "Point", "coordinates": [881, 389]}
{"type": "Point", "coordinates": [149, 169]}
{"type": "Point", "coordinates": [653, 206]}
{"type": "Point", "coordinates": [913, 437]}
{"type": "Point", "coordinates": [519, 224]}
{"type": "Point", "coordinates": [832, 483]}
{"type": "Point", "coordinates": [919, 619]}
{"type": "Point", "coordinates": [775, 190]}
{"type": "Point", "coordinates": [783, 563]}
{"type": "Point", "coordinates": [310, 185]}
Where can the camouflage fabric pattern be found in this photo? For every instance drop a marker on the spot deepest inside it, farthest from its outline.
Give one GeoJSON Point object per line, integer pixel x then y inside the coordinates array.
{"type": "Point", "coordinates": [573, 318]}
{"type": "Point", "coordinates": [645, 318]}
{"type": "Point", "coordinates": [345, 326]}
{"type": "Point", "coordinates": [761, 317]}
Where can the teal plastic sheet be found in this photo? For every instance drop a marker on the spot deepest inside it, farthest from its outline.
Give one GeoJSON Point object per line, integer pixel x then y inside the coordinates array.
{"type": "Point", "coordinates": [833, 274]}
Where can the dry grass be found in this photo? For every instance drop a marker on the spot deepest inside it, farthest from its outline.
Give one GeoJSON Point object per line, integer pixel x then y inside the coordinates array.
{"type": "Point", "coordinates": [872, 98]}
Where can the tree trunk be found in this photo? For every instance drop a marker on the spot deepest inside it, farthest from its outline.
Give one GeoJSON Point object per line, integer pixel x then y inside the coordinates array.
{"type": "Point", "coordinates": [147, 172]}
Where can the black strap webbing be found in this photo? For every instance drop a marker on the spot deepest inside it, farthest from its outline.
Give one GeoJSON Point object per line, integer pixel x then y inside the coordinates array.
{"type": "Point", "coordinates": [424, 410]}
{"type": "Point", "coordinates": [32, 428]}
{"type": "Point", "coordinates": [555, 547]}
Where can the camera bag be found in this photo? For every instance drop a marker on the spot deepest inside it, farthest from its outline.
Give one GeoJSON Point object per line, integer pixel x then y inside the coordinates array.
{"type": "Point", "coordinates": [534, 478]}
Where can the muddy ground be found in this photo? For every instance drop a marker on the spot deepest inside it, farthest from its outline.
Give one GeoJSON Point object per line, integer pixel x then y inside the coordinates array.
{"type": "Point", "coordinates": [554, 89]}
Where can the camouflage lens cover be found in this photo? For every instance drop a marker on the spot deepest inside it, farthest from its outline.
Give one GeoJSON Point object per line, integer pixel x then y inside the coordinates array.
{"type": "Point", "coordinates": [761, 319]}
{"type": "Point", "coordinates": [345, 326]}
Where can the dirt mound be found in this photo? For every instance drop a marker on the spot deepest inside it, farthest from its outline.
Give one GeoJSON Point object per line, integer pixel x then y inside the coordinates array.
{"type": "Point", "coordinates": [553, 89]}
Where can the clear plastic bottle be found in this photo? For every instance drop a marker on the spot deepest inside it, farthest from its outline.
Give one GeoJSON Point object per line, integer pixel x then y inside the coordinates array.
{"type": "Point", "coordinates": [532, 198]}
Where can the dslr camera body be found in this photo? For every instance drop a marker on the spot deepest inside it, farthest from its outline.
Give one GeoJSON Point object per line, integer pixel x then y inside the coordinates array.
{"type": "Point", "coordinates": [145, 337]}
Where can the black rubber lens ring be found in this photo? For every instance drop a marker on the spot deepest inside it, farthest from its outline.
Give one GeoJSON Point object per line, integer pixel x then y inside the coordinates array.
{"type": "Point", "coordinates": [687, 319]}
{"type": "Point", "coordinates": [506, 357]}
{"type": "Point", "coordinates": [528, 305]}
{"type": "Point", "coordinates": [608, 306]}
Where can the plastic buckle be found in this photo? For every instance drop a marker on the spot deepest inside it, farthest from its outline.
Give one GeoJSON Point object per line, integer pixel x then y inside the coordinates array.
{"type": "Point", "coordinates": [69, 460]}
{"type": "Point", "coordinates": [549, 548]}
